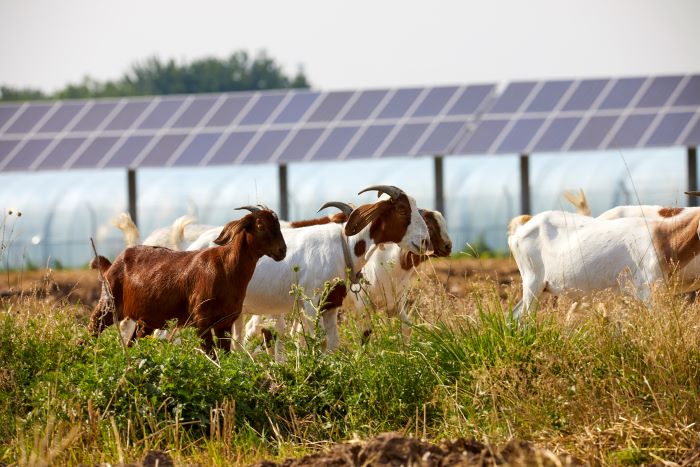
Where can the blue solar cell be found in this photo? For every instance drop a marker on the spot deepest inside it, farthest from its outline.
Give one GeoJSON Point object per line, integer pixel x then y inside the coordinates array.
{"type": "Point", "coordinates": [622, 93]}
{"type": "Point", "coordinates": [26, 156]}
{"type": "Point", "coordinates": [399, 103]}
{"type": "Point", "coordinates": [6, 113]}
{"type": "Point", "coordinates": [405, 139]}
{"type": "Point", "coordinates": [369, 141]}
{"type": "Point", "coordinates": [197, 149]}
{"type": "Point", "coordinates": [631, 131]}
{"type": "Point", "coordinates": [549, 96]}
{"type": "Point", "coordinates": [29, 118]}
{"type": "Point", "coordinates": [435, 101]}
{"type": "Point", "coordinates": [94, 116]}
{"type": "Point", "coordinates": [660, 90]}
{"type": "Point", "coordinates": [334, 144]}
{"type": "Point", "coordinates": [266, 146]}
{"type": "Point", "coordinates": [694, 135]}
{"type": "Point", "coordinates": [520, 135]}
{"type": "Point", "coordinates": [593, 133]}
{"type": "Point", "coordinates": [6, 147]}
{"type": "Point", "coordinates": [232, 147]}
{"type": "Point", "coordinates": [585, 94]}
{"type": "Point", "coordinates": [262, 109]}
{"type": "Point", "coordinates": [690, 94]}
{"type": "Point", "coordinates": [228, 112]}
{"type": "Point", "coordinates": [95, 152]}
{"type": "Point", "coordinates": [162, 151]}
{"type": "Point", "coordinates": [332, 104]}
{"type": "Point", "coordinates": [60, 153]}
{"type": "Point", "coordinates": [300, 144]}
{"type": "Point", "coordinates": [512, 98]}
{"type": "Point", "coordinates": [61, 118]}
{"type": "Point", "coordinates": [195, 112]}
{"type": "Point", "coordinates": [161, 114]}
{"type": "Point", "coordinates": [296, 107]}
{"type": "Point", "coordinates": [128, 114]}
{"type": "Point", "coordinates": [483, 137]}
{"type": "Point", "coordinates": [365, 105]}
{"type": "Point", "coordinates": [669, 129]}
{"type": "Point", "coordinates": [441, 138]}
{"type": "Point", "coordinates": [556, 135]}
{"type": "Point", "coordinates": [128, 151]}
{"type": "Point", "coordinates": [471, 100]}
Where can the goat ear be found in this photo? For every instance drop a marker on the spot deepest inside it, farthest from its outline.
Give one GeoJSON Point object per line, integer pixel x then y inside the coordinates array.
{"type": "Point", "coordinates": [232, 229]}
{"type": "Point", "coordinates": [361, 216]}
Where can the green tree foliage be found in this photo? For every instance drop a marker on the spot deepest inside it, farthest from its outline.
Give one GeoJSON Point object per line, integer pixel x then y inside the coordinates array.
{"type": "Point", "coordinates": [153, 76]}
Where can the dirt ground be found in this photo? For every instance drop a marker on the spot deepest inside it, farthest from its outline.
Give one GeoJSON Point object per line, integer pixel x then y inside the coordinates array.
{"type": "Point", "coordinates": [458, 276]}
{"type": "Point", "coordinates": [393, 449]}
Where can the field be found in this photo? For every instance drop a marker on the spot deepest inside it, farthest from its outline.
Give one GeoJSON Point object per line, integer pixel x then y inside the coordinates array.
{"type": "Point", "coordinates": [607, 382]}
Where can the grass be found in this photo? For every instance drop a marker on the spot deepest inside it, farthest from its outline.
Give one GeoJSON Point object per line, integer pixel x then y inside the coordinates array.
{"type": "Point", "coordinates": [608, 381]}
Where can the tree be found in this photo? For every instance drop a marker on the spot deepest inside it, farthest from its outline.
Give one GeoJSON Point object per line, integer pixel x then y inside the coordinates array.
{"type": "Point", "coordinates": [153, 76]}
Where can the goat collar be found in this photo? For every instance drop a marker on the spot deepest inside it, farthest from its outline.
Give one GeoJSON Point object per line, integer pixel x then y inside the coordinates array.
{"type": "Point", "coordinates": [349, 263]}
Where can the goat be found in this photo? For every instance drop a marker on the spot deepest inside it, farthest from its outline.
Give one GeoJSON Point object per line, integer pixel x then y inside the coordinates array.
{"type": "Point", "coordinates": [151, 285]}
{"type": "Point", "coordinates": [565, 253]}
{"type": "Point", "coordinates": [209, 233]}
{"type": "Point", "coordinates": [169, 237]}
{"type": "Point", "coordinates": [316, 254]}
{"type": "Point", "coordinates": [389, 272]}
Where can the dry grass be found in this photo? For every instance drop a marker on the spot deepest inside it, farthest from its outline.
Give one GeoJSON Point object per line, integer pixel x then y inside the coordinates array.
{"type": "Point", "coordinates": [607, 380]}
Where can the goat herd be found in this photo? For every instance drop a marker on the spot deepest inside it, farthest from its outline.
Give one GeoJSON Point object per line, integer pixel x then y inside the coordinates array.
{"type": "Point", "coordinates": [253, 265]}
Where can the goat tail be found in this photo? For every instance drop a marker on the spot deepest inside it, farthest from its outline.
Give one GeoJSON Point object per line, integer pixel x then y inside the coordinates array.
{"type": "Point", "coordinates": [123, 222]}
{"type": "Point", "coordinates": [177, 232]}
{"type": "Point", "coordinates": [516, 222]}
{"type": "Point", "coordinates": [579, 201]}
{"type": "Point", "coordinates": [101, 263]}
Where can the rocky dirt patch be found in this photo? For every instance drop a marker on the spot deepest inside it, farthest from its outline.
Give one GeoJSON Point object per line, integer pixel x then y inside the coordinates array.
{"type": "Point", "coordinates": [393, 449]}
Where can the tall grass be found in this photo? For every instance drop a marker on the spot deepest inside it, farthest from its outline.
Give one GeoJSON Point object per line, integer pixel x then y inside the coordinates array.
{"type": "Point", "coordinates": [609, 381]}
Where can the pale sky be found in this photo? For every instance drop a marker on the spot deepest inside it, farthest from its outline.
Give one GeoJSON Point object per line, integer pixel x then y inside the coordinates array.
{"type": "Point", "coordinates": [354, 44]}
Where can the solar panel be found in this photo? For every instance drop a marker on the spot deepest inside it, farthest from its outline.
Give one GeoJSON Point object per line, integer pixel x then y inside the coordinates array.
{"type": "Point", "coordinates": [586, 115]}
{"type": "Point", "coordinates": [61, 118]}
{"type": "Point", "coordinates": [302, 125]}
{"type": "Point", "coordinates": [631, 131]}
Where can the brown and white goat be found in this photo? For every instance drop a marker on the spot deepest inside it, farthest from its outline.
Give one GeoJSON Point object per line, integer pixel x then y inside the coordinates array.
{"type": "Point", "coordinates": [316, 255]}
{"type": "Point", "coordinates": [205, 289]}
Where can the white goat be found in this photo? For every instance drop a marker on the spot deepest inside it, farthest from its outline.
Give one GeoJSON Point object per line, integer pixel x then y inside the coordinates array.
{"type": "Point", "coordinates": [169, 237]}
{"type": "Point", "coordinates": [564, 253]}
{"type": "Point", "coordinates": [321, 253]}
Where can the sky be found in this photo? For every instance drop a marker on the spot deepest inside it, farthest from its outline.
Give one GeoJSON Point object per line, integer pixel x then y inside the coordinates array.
{"type": "Point", "coordinates": [47, 44]}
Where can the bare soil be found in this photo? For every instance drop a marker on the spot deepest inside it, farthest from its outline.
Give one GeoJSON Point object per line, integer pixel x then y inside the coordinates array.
{"type": "Point", "coordinates": [459, 277]}
{"type": "Point", "coordinates": [393, 449]}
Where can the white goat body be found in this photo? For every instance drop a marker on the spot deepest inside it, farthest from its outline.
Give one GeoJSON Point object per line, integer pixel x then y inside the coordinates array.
{"type": "Point", "coordinates": [566, 253]}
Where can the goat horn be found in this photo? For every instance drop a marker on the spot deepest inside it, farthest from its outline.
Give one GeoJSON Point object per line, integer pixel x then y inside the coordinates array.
{"type": "Point", "coordinates": [250, 208]}
{"type": "Point", "coordinates": [693, 193]}
{"type": "Point", "coordinates": [390, 190]}
{"type": "Point", "coordinates": [345, 208]}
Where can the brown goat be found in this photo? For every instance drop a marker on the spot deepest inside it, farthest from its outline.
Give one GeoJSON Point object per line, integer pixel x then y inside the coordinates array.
{"type": "Point", "coordinates": [204, 288]}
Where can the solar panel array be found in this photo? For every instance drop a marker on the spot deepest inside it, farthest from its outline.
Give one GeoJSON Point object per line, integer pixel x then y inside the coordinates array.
{"type": "Point", "coordinates": [302, 125]}
{"type": "Point", "coordinates": [591, 114]}
{"type": "Point", "coordinates": [237, 128]}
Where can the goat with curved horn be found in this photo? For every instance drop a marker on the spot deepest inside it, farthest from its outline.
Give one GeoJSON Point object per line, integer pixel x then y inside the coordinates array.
{"type": "Point", "coordinates": [250, 208]}
{"type": "Point", "coordinates": [390, 190]}
{"type": "Point", "coordinates": [345, 208]}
